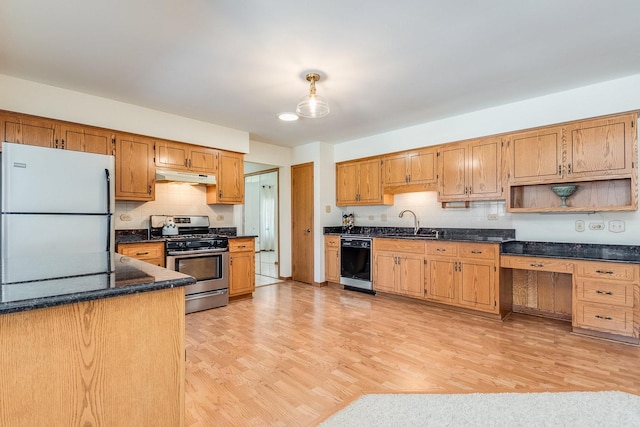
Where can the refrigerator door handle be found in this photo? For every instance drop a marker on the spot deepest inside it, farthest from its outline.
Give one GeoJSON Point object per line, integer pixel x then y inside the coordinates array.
{"type": "Point", "coordinates": [108, 182]}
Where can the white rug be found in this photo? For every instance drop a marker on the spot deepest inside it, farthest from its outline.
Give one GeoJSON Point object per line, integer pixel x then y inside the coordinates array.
{"type": "Point", "coordinates": [607, 408]}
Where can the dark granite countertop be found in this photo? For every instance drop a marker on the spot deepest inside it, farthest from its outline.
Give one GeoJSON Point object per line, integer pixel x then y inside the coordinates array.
{"type": "Point", "coordinates": [497, 235]}
{"type": "Point", "coordinates": [142, 235]}
{"type": "Point", "coordinates": [579, 251]}
{"type": "Point", "coordinates": [131, 276]}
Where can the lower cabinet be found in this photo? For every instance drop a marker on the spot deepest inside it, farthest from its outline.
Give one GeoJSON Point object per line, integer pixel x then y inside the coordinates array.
{"type": "Point", "coordinates": [332, 259]}
{"type": "Point", "coordinates": [151, 252]}
{"type": "Point", "coordinates": [463, 274]}
{"type": "Point", "coordinates": [398, 266]}
{"type": "Point", "coordinates": [242, 267]}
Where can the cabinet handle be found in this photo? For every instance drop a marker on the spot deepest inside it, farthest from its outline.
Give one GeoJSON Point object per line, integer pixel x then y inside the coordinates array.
{"type": "Point", "coordinates": [440, 250]}
{"type": "Point", "coordinates": [604, 272]}
{"type": "Point", "coordinates": [569, 169]}
{"type": "Point", "coordinates": [476, 252]}
{"type": "Point", "coordinates": [559, 170]}
{"type": "Point", "coordinates": [149, 190]}
{"type": "Point", "coordinates": [142, 253]}
{"type": "Point", "coordinates": [55, 143]}
{"type": "Point", "coordinates": [604, 292]}
{"type": "Point", "coordinates": [242, 246]}
{"type": "Point", "coordinates": [597, 316]}
{"type": "Point", "coordinates": [186, 163]}
{"type": "Point", "coordinates": [220, 194]}
{"type": "Point", "coordinates": [536, 265]}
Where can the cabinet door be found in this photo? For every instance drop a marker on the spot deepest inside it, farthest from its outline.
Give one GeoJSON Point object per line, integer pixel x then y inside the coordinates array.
{"type": "Point", "coordinates": [484, 179]}
{"type": "Point", "coordinates": [477, 287]}
{"type": "Point", "coordinates": [600, 147]}
{"type": "Point", "coordinates": [395, 170]}
{"type": "Point", "coordinates": [332, 265]}
{"type": "Point", "coordinates": [135, 170]}
{"type": "Point", "coordinates": [422, 167]}
{"type": "Point", "coordinates": [241, 273]}
{"type": "Point", "coordinates": [203, 160]}
{"type": "Point", "coordinates": [411, 275]}
{"type": "Point", "coordinates": [347, 183]}
{"type": "Point", "coordinates": [87, 139]}
{"type": "Point", "coordinates": [370, 181]}
{"type": "Point", "coordinates": [28, 130]}
{"type": "Point", "coordinates": [442, 281]}
{"type": "Point", "coordinates": [384, 279]}
{"type": "Point", "coordinates": [172, 155]}
{"type": "Point", "coordinates": [452, 184]}
{"type": "Point", "coordinates": [230, 178]}
{"type": "Point", "coordinates": [536, 156]}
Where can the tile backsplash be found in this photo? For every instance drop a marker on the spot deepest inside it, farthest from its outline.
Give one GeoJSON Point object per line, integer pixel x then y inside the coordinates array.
{"type": "Point", "coordinates": [173, 198]}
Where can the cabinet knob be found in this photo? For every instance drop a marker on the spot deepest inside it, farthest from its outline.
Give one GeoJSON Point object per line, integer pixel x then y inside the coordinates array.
{"type": "Point", "coordinates": [597, 316]}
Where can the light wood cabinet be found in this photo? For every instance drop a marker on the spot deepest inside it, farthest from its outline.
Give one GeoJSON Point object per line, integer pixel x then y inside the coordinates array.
{"type": "Point", "coordinates": [607, 298]}
{"type": "Point", "coordinates": [86, 138]}
{"type": "Point", "coordinates": [470, 170]}
{"type": "Point", "coordinates": [398, 266]}
{"type": "Point", "coordinates": [360, 183]}
{"type": "Point", "coordinates": [410, 171]}
{"type": "Point", "coordinates": [186, 157]}
{"type": "Point", "coordinates": [599, 155]}
{"type": "Point", "coordinates": [463, 274]}
{"type": "Point", "coordinates": [151, 252]}
{"type": "Point", "coordinates": [229, 188]}
{"type": "Point", "coordinates": [135, 169]}
{"type": "Point", "coordinates": [242, 258]}
{"type": "Point", "coordinates": [332, 259]}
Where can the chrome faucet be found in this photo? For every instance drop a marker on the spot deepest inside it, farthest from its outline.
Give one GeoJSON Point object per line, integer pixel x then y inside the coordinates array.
{"type": "Point", "coordinates": [416, 223]}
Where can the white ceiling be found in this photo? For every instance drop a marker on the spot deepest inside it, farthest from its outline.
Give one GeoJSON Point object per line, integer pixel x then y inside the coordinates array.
{"type": "Point", "coordinates": [385, 65]}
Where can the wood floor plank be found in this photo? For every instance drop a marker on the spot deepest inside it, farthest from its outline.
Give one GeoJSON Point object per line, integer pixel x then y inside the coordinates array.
{"type": "Point", "coordinates": [295, 353]}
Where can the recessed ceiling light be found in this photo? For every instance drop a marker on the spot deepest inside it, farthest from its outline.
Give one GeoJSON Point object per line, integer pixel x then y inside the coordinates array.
{"type": "Point", "coordinates": [288, 117]}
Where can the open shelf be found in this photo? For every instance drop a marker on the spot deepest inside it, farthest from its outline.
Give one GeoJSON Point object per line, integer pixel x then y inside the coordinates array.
{"type": "Point", "coordinates": [602, 195]}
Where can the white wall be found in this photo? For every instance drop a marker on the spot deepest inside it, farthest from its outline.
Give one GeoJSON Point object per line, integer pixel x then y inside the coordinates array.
{"type": "Point", "coordinates": [28, 97]}
{"type": "Point", "coordinates": [590, 101]}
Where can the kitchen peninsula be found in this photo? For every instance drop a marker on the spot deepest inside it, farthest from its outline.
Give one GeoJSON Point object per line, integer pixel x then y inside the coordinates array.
{"type": "Point", "coordinates": [111, 356]}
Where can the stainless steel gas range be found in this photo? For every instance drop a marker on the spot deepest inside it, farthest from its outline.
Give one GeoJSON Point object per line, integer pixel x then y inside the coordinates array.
{"type": "Point", "coordinates": [191, 249]}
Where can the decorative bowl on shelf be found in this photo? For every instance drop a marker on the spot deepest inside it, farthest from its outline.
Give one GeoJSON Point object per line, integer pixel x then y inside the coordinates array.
{"type": "Point", "coordinates": [564, 191]}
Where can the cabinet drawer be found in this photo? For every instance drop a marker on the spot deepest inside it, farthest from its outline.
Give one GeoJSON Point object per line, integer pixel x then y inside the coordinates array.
{"type": "Point", "coordinates": [607, 270]}
{"type": "Point", "coordinates": [332, 241]}
{"type": "Point", "coordinates": [603, 317]}
{"type": "Point", "coordinates": [399, 245]}
{"type": "Point", "coordinates": [534, 263]}
{"type": "Point", "coordinates": [241, 245]}
{"type": "Point", "coordinates": [480, 251]}
{"type": "Point", "coordinates": [142, 251]}
{"type": "Point", "coordinates": [614, 293]}
{"type": "Point", "coordinates": [442, 248]}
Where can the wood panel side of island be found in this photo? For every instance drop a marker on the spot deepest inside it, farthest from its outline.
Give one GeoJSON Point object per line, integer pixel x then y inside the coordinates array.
{"type": "Point", "coordinates": [111, 362]}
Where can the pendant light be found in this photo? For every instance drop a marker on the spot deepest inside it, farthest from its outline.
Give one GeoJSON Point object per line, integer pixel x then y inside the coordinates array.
{"type": "Point", "coordinates": [313, 106]}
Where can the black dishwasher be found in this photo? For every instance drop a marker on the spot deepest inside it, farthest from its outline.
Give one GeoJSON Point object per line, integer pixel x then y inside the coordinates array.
{"type": "Point", "coordinates": [355, 263]}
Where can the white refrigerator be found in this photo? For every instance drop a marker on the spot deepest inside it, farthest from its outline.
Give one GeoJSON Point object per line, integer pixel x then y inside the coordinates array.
{"type": "Point", "coordinates": [56, 226]}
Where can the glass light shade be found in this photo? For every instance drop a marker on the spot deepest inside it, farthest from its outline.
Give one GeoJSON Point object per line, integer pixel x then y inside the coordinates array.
{"type": "Point", "coordinates": [313, 106]}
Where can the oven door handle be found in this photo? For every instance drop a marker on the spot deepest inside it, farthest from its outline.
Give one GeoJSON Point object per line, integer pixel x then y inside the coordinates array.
{"type": "Point", "coordinates": [196, 252]}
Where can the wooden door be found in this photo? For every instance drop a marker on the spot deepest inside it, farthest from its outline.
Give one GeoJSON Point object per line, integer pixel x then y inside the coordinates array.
{"type": "Point", "coordinates": [242, 277]}
{"type": "Point", "coordinates": [28, 130]}
{"type": "Point", "coordinates": [135, 170]}
{"type": "Point", "coordinates": [452, 173]}
{"type": "Point", "coordinates": [370, 182]}
{"type": "Point", "coordinates": [203, 160]}
{"type": "Point", "coordinates": [395, 170]}
{"type": "Point", "coordinates": [411, 276]}
{"type": "Point", "coordinates": [302, 222]}
{"type": "Point", "coordinates": [172, 155]}
{"type": "Point", "coordinates": [484, 177]}
{"type": "Point", "coordinates": [477, 284]}
{"type": "Point", "coordinates": [443, 280]}
{"type": "Point", "coordinates": [87, 139]}
{"type": "Point", "coordinates": [346, 183]}
{"type": "Point", "coordinates": [422, 167]}
{"type": "Point", "coordinates": [385, 277]}
{"type": "Point", "coordinates": [536, 156]}
{"type": "Point", "coordinates": [230, 179]}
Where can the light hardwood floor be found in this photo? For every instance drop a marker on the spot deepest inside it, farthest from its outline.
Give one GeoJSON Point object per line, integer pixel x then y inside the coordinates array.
{"type": "Point", "coordinates": [294, 354]}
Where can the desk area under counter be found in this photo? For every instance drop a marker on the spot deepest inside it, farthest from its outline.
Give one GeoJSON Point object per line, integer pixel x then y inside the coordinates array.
{"type": "Point", "coordinates": [111, 356]}
{"type": "Point", "coordinates": [596, 287]}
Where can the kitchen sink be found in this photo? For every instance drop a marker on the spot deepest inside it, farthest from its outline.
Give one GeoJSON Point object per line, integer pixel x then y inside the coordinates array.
{"type": "Point", "coordinates": [411, 236]}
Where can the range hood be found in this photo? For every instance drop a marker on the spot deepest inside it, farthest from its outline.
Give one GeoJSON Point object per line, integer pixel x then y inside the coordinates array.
{"type": "Point", "coordinates": [193, 178]}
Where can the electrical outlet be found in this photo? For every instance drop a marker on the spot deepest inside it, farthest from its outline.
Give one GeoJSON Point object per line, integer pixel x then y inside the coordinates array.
{"type": "Point", "coordinates": [580, 225]}
{"type": "Point", "coordinates": [596, 226]}
{"type": "Point", "coordinates": [383, 217]}
{"type": "Point", "coordinates": [125, 217]}
{"type": "Point", "coordinates": [371, 217]}
{"type": "Point", "coordinates": [220, 218]}
{"type": "Point", "coordinates": [616, 226]}
{"type": "Point", "coordinates": [492, 217]}
{"type": "Point", "coordinates": [327, 208]}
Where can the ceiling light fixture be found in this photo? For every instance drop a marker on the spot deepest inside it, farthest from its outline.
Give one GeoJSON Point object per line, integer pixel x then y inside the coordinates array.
{"type": "Point", "coordinates": [288, 117]}
{"type": "Point", "coordinates": [313, 106]}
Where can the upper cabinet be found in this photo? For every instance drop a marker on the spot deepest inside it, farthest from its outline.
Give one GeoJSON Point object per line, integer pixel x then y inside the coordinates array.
{"type": "Point", "coordinates": [360, 183]}
{"type": "Point", "coordinates": [229, 188]}
{"type": "Point", "coordinates": [470, 170]}
{"type": "Point", "coordinates": [599, 156]}
{"type": "Point", "coordinates": [135, 170]}
{"type": "Point", "coordinates": [87, 139]}
{"type": "Point", "coordinates": [186, 157]}
{"type": "Point", "coordinates": [410, 171]}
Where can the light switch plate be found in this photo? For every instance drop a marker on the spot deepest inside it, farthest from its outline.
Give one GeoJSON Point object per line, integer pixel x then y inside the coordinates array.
{"type": "Point", "coordinates": [580, 225]}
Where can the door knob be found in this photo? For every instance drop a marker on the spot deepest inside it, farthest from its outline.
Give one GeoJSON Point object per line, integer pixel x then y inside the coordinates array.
{"type": "Point", "coordinates": [308, 230]}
